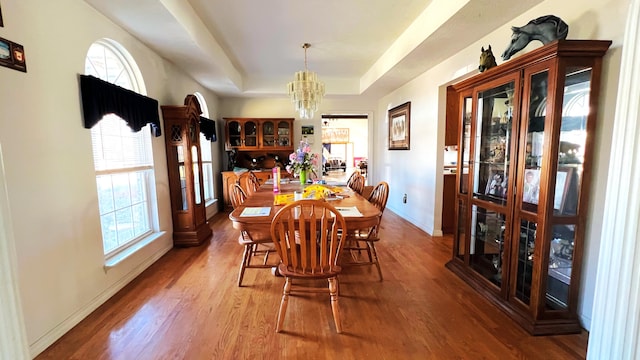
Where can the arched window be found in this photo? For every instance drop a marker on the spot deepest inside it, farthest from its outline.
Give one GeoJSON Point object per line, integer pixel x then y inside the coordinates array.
{"type": "Point", "coordinates": [207, 160]}
{"type": "Point", "coordinates": [123, 159]}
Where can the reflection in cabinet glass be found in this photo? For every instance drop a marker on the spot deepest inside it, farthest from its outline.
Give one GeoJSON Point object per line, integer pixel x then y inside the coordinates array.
{"type": "Point", "coordinates": [196, 174]}
{"type": "Point", "coordinates": [521, 205]}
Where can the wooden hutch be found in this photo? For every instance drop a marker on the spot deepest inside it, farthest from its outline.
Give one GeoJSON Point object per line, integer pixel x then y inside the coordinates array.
{"type": "Point", "coordinates": [259, 144]}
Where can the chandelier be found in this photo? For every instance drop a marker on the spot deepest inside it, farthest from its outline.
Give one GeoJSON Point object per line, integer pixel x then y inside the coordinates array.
{"type": "Point", "coordinates": [305, 90]}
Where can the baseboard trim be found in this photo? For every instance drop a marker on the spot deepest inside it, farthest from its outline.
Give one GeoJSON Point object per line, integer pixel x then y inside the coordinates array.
{"type": "Point", "coordinates": [57, 332]}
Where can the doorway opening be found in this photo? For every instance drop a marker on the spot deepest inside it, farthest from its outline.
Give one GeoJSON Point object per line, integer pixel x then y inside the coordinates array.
{"type": "Point", "coordinates": [345, 145]}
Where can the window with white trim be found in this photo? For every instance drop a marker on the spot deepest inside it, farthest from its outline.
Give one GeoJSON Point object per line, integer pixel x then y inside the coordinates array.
{"type": "Point", "coordinates": [207, 160]}
{"type": "Point", "coordinates": [123, 159]}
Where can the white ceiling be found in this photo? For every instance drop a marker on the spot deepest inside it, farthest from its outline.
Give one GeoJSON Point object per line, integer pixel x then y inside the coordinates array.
{"type": "Point", "coordinates": [253, 47]}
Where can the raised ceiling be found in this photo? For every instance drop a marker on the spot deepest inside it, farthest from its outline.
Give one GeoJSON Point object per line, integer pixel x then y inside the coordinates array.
{"type": "Point", "coordinates": [251, 48]}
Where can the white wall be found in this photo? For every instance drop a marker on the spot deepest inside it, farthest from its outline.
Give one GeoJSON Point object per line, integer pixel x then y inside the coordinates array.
{"type": "Point", "coordinates": [49, 165]}
{"type": "Point", "coordinates": [418, 173]}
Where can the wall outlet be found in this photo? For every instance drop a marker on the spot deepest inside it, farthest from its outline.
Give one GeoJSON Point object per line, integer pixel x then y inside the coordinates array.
{"type": "Point", "coordinates": [404, 199]}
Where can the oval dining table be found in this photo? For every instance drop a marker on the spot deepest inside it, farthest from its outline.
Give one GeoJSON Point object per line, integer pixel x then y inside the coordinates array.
{"type": "Point", "coordinates": [264, 198]}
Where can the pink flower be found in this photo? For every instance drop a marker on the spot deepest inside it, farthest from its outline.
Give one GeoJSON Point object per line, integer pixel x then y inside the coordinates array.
{"type": "Point", "coordinates": [302, 159]}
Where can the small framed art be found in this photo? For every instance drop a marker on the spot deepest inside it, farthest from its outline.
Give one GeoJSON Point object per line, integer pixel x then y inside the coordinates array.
{"type": "Point", "coordinates": [12, 55]}
{"type": "Point", "coordinates": [399, 127]}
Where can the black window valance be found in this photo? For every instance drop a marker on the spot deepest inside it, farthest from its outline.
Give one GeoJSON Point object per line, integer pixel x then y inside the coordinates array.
{"type": "Point", "coordinates": [208, 128]}
{"type": "Point", "coordinates": [100, 98]}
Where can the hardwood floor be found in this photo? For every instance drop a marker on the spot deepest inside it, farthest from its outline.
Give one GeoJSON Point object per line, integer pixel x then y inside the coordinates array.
{"type": "Point", "coordinates": [188, 306]}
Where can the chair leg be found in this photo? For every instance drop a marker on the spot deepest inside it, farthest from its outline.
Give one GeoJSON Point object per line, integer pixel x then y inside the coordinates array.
{"type": "Point", "coordinates": [283, 304]}
{"type": "Point", "coordinates": [246, 256]}
{"type": "Point", "coordinates": [369, 244]}
{"type": "Point", "coordinates": [333, 291]}
{"type": "Point", "coordinates": [373, 252]}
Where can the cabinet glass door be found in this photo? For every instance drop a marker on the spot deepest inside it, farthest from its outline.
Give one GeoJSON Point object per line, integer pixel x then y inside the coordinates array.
{"type": "Point", "coordinates": [284, 134]}
{"type": "Point", "coordinates": [268, 134]}
{"type": "Point", "coordinates": [182, 175]}
{"type": "Point", "coordinates": [573, 139]}
{"type": "Point", "coordinates": [487, 243]}
{"type": "Point", "coordinates": [534, 129]}
{"type": "Point", "coordinates": [568, 183]}
{"type": "Point", "coordinates": [526, 241]}
{"type": "Point", "coordinates": [235, 133]}
{"type": "Point", "coordinates": [467, 103]}
{"type": "Point", "coordinates": [526, 232]}
{"type": "Point", "coordinates": [461, 230]}
{"type": "Point", "coordinates": [464, 162]}
{"type": "Point", "coordinates": [250, 134]}
{"type": "Point", "coordinates": [493, 134]}
{"type": "Point", "coordinates": [197, 188]}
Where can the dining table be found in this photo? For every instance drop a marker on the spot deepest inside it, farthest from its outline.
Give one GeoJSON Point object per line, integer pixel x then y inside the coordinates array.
{"type": "Point", "coordinates": [367, 214]}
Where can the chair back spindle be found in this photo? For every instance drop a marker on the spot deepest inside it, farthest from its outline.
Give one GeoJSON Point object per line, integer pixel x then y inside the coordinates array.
{"type": "Point", "coordinates": [237, 195]}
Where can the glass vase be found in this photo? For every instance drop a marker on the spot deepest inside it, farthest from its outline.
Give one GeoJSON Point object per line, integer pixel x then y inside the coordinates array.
{"type": "Point", "coordinates": [303, 177]}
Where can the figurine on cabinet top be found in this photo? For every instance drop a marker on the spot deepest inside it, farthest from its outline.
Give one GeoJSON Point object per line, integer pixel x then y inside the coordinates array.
{"type": "Point", "coordinates": [545, 29]}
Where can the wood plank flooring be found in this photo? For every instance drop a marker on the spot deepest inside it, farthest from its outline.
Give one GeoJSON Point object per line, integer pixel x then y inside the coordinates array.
{"type": "Point", "coordinates": [188, 306]}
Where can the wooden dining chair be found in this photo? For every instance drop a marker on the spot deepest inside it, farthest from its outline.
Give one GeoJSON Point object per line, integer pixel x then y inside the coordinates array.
{"type": "Point", "coordinates": [307, 235]}
{"type": "Point", "coordinates": [352, 177]}
{"type": "Point", "coordinates": [359, 240]}
{"type": "Point", "coordinates": [255, 243]}
{"type": "Point", "coordinates": [252, 183]}
{"type": "Point", "coordinates": [357, 184]}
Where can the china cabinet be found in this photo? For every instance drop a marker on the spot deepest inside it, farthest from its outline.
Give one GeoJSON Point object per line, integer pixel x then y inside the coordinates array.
{"type": "Point", "coordinates": [523, 178]}
{"type": "Point", "coordinates": [184, 166]}
{"type": "Point", "coordinates": [248, 134]}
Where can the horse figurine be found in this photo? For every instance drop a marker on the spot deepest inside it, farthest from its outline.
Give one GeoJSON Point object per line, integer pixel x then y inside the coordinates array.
{"type": "Point", "coordinates": [545, 29]}
{"type": "Point", "coordinates": [487, 60]}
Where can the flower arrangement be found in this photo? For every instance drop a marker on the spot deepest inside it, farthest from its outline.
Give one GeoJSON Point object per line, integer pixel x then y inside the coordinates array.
{"type": "Point", "coordinates": [302, 159]}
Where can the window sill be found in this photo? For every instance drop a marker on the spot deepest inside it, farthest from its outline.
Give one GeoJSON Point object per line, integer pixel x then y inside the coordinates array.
{"type": "Point", "coordinates": [116, 259]}
{"type": "Point", "coordinates": [210, 202]}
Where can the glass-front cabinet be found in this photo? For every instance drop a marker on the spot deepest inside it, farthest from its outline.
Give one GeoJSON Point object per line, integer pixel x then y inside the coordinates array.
{"type": "Point", "coordinates": [249, 134]}
{"type": "Point", "coordinates": [525, 149]}
{"type": "Point", "coordinates": [184, 167]}
{"type": "Point", "coordinates": [242, 134]}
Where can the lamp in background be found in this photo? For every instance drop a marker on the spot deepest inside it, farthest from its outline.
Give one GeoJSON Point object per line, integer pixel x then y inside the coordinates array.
{"type": "Point", "coordinates": [305, 90]}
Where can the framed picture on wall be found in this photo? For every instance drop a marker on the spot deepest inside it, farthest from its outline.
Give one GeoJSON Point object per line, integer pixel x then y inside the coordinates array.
{"type": "Point", "coordinates": [1, 22]}
{"type": "Point", "coordinates": [399, 127]}
{"type": "Point", "coordinates": [12, 55]}
{"type": "Point", "coordinates": [335, 135]}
